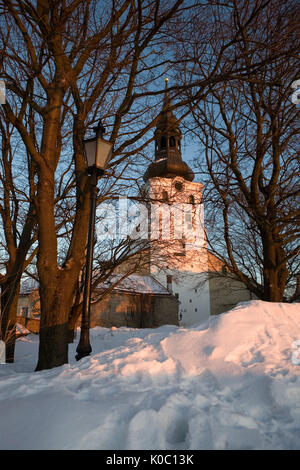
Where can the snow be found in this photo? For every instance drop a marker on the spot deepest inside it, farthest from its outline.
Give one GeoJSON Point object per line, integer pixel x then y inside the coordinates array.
{"type": "Point", "coordinates": [137, 284]}
{"type": "Point", "coordinates": [21, 330]}
{"type": "Point", "coordinates": [2, 352]}
{"type": "Point", "coordinates": [28, 285]}
{"type": "Point", "coordinates": [233, 385]}
{"type": "Point", "coordinates": [140, 284]}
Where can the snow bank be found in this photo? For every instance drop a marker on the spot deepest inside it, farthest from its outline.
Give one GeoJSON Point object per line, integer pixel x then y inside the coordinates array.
{"type": "Point", "coordinates": [2, 352]}
{"type": "Point", "coordinates": [235, 385]}
{"type": "Point", "coordinates": [21, 330]}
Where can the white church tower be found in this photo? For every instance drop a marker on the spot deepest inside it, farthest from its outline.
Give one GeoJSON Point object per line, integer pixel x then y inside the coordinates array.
{"type": "Point", "coordinates": [178, 253]}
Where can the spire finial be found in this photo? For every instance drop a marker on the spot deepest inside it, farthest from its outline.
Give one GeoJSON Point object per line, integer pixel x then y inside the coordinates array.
{"type": "Point", "coordinates": [167, 95]}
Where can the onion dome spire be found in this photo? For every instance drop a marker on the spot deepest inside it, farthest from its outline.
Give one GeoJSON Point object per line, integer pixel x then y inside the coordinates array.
{"type": "Point", "coordinates": [168, 162]}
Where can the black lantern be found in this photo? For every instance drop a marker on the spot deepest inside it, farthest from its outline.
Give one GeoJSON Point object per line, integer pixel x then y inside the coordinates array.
{"type": "Point", "coordinates": [97, 154]}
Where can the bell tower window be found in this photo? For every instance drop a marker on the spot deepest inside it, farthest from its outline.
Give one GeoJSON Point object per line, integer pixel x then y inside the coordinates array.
{"type": "Point", "coordinates": [163, 143]}
{"type": "Point", "coordinates": [178, 186]}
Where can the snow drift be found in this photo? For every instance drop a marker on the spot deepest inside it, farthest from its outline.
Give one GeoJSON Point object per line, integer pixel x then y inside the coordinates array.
{"type": "Point", "coordinates": [234, 385]}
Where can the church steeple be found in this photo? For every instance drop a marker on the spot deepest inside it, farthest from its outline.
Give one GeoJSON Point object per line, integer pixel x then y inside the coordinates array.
{"type": "Point", "coordinates": [168, 162]}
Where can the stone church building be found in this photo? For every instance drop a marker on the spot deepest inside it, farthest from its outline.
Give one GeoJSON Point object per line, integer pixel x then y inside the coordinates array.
{"type": "Point", "coordinates": [179, 281]}
{"type": "Point", "coordinates": [177, 255]}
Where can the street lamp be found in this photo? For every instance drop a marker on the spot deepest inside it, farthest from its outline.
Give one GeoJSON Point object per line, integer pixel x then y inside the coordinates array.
{"type": "Point", "coordinates": [97, 154]}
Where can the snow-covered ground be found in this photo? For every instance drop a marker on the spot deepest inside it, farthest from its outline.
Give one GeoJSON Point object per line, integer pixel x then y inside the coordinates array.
{"type": "Point", "coordinates": [235, 385]}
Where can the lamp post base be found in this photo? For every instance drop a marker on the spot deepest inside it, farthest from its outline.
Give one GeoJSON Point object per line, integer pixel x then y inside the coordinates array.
{"type": "Point", "coordinates": [81, 355]}
{"type": "Point", "coordinates": [84, 347]}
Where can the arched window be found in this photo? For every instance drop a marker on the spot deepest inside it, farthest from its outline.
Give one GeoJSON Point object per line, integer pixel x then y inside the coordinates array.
{"type": "Point", "coordinates": [172, 141]}
{"type": "Point", "coordinates": [191, 199]}
{"type": "Point", "coordinates": [163, 143]}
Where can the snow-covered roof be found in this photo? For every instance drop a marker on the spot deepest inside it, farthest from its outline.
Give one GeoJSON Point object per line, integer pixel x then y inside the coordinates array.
{"type": "Point", "coordinates": [135, 283]}
{"type": "Point", "coordinates": [21, 330]}
{"type": "Point", "coordinates": [28, 285]}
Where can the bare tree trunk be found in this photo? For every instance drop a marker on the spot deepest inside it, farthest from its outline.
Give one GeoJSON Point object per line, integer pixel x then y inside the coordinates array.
{"type": "Point", "coordinates": [274, 270]}
{"type": "Point", "coordinates": [53, 351]}
{"type": "Point", "coordinates": [57, 283]}
{"type": "Point", "coordinates": [9, 305]}
{"type": "Point", "coordinates": [55, 307]}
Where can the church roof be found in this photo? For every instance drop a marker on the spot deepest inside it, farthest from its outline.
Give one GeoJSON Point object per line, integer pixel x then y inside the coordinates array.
{"type": "Point", "coordinates": [167, 121]}
{"type": "Point", "coordinates": [28, 285]}
{"type": "Point", "coordinates": [135, 284]}
{"type": "Point", "coordinates": [169, 168]}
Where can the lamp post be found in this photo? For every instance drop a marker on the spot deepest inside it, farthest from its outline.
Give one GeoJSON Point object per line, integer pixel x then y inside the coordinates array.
{"type": "Point", "coordinates": [97, 153]}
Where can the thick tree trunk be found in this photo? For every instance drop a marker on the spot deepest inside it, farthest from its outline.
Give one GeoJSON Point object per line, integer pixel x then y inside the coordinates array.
{"type": "Point", "coordinates": [71, 335]}
{"type": "Point", "coordinates": [9, 306]}
{"type": "Point", "coordinates": [272, 290]}
{"type": "Point", "coordinates": [274, 270]}
{"type": "Point", "coordinates": [54, 293]}
{"type": "Point", "coordinates": [55, 307]}
{"type": "Point", "coordinates": [57, 284]}
{"type": "Point", "coordinates": [53, 350]}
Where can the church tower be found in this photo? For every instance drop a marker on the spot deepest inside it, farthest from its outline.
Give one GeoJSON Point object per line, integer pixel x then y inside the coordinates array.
{"type": "Point", "coordinates": [178, 253]}
{"type": "Point", "coordinates": [168, 162]}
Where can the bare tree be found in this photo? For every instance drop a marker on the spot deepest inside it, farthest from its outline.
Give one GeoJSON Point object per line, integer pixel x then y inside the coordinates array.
{"type": "Point", "coordinates": [77, 59]}
{"type": "Point", "coordinates": [17, 213]}
{"type": "Point", "coordinates": [69, 63]}
{"type": "Point", "coordinates": [249, 131]}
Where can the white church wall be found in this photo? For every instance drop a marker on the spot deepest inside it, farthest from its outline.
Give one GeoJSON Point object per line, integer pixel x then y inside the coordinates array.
{"type": "Point", "coordinates": [178, 244]}
{"type": "Point", "coordinates": [193, 294]}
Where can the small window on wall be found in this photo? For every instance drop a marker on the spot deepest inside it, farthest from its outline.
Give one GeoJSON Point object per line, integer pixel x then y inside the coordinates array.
{"type": "Point", "coordinates": [24, 312]}
{"type": "Point", "coordinates": [191, 199]}
{"type": "Point", "coordinates": [165, 196]}
{"type": "Point", "coordinates": [172, 142]}
{"type": "Point", "coordinates": [163, 143]}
